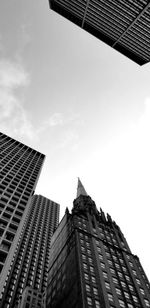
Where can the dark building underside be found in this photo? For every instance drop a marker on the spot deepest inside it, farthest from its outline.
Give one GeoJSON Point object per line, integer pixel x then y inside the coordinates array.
{"type": "Point", "coordinates": [124, 24]}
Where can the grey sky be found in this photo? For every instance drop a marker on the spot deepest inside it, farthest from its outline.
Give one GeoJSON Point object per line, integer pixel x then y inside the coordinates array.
{"type": "Point", "coordinates": [85, 106]}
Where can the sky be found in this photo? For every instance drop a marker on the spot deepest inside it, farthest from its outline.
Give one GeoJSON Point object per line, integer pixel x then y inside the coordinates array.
{"type": "Point", "coordinates": [86, 107]}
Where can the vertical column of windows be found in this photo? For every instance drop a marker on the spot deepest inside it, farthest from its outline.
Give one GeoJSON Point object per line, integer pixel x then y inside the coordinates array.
{"type": "Point", "coordinates": [131, 260]}
{"type": "Point", "coordinates": [20, 263]}
{"type": "Point", "coordinates": [91, 288]}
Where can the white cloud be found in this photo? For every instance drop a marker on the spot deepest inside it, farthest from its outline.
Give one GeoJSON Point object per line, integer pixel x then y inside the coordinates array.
{"type": "Point", "coordinates": [56, 119]}
{"type": "Point", "coordinates": [70, 139]}
{"type": "Point", "coordinates": [12, 75]}
{"type": "Point", "coordinates": [14, 120]}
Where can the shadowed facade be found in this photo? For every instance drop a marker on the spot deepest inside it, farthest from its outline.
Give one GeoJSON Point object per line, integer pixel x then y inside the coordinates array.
{"type": "Point", "coordinates": [91, 264]}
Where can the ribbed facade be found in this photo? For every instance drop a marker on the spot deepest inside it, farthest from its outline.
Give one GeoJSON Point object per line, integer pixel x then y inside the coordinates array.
{"type": "Point", "coordinates": [20, 167]}
{"type": "Point", "coordinates": [29, 267]}
{"type": "Point", "coordinates": [124, 24]}
{"type": "Point", "coordinates": [91, 264]}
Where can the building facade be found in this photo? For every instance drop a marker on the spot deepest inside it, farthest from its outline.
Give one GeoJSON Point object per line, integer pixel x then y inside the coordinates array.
{"type": "Point", "coordinates": [123, 25]}
{"type": "Point", "coordinates": [20, 167]}
{"type": "Point", "coordinates": [91, 264]}
{"type": "Point", "coordinates": [29, 268]}
{"type": "Point", "coordinates": [31, 298]}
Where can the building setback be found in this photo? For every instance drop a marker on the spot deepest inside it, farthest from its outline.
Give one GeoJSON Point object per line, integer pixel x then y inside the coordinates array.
{"type": "Point", "coordinates": [20, 167]}
{"type": "Point", "coordinates": [124, 25]}
{"type": "Point", "coordinates": [91, 264]}
{"type": "Point", "coordinates": [29, 267]}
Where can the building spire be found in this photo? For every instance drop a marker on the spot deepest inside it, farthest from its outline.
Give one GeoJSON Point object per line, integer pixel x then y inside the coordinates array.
{"type": "Point", "coordinates": [80, 189]}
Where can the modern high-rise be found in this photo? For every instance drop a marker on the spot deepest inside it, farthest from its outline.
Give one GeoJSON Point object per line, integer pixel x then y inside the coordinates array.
{"type": "Point", "coordinates": [20, 167]}
{"type": "Point", "coordinates": [124, 25]}
{"type": "Point", "coordinates": [28, 270]}
{"type": "Point", "coordinates": [91, 264]}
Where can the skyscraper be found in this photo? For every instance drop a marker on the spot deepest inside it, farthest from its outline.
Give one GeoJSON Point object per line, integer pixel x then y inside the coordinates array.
{"type": "Point", "coordinates": [29, 267]}
{"type": "Point", "coordinates": [20, 167]}
{"type": "Point", "coordinates": [124, 25]}
{"type": "Point", "coordinates": [91, 264]}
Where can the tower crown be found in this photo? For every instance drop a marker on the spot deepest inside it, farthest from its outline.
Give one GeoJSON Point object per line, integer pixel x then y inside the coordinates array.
{"type": "Point", "coordinates": [83, 202]}
{"type": "Point", "coordinates": [80, 189]}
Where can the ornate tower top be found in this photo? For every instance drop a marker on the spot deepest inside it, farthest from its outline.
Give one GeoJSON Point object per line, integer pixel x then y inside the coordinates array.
{"type": "Point", "coordinates": [80, 189]}
{"type": "Point", "coordinates": [83, 202]}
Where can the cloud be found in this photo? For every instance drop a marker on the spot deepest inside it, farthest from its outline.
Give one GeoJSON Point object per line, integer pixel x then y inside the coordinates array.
{"type": "Point", "coordinates": [56, 119]}
{"type": "Point", "coordinates": [12, 75]}
{"type": "Point", "coordinates": [23, 41]}
{"type": "Point", "coordinates": [14, 120]}
{"type": "Point", "coordinates": [70, 139]}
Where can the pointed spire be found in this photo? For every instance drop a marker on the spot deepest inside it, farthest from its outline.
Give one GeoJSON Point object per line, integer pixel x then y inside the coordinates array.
{"type": "Point", "coordinates": [80, 189]}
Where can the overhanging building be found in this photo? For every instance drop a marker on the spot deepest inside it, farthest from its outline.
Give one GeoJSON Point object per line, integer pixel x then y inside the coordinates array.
{"type": "Point", "coordinates": [124, 24]}
{"type": "Point", "coordinates": [91, 264]}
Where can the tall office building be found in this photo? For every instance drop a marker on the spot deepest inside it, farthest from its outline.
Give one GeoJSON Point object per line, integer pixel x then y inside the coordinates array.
{"type": "Point", "coordinates": [29, 268]}
{"type": "Point", "coordinates": [124, 24]}
{"type": "Point", "coordinates": [20, 167]}
{"type": "Point", "coordinates": [91, 264]}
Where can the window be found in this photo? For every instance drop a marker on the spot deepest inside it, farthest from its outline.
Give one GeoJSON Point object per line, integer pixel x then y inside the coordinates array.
{"type": "Point", "coordinates": [134, 272]}
{"type": "Point", "coordinates": [118, 291]}
{"type": "Point", "coordinates": [107, 285]}
{"type": "Point", "coordinates": [115, 280]}
{"type": "Point", "coordinates": [83, 257]}
{"type": "Point", "coordinates": [85, 266]}
{"type": "Point", "coordinates": [135, 298]}
{"type": "Point", "coordinates": [126, 294]}
{"type": "Point", "coordinates": [112, 271]}
{"type": "Point", "coordinates": [87, 288]}
{"type": "Point", "coordinates": [117, 265]}
{"type": "Point", "coordinates": [142, 291]}
{"type": "Point", "coordinates": [88, 251]}
{"type": "Point", "coordinates": [115, 258]}
{"type": "Point", "coordinates": [131, 287]}
{"type": "Point", "coordinates": [97, 304]}
{"type": "Point", "coordinates": [122, 304]}
{"type": "Point", "coordinates": [124, 268]}
{"type": "Point", "coordinates": [93, 279]}
{"type": "Point", "coordinates": [89, 301]}
{"type": "Point", "coordinates": [147, 302]}
{"type": "Point", "coordinates": [95, 291]}
{"type": "Point", "coordinates": [127, 277]}
{"type": "Point", "coordinates": [110, 297]}
{"type": "Point", "coordinates": [91, 269]}
{"type": "Point", "coordinates": [102, 265]}
{"type": "Point", "coordinates": [90, 260]}
{"type": "Point", "coordinates": [120, 275]}
{"type": "Point", "coordinates": [121, 260]}
{"type": "Point", "coordinates": [105, 275]}
{"type": "Point", "coordinates": [138, 281]}
{"type": "Point", "coordinates": [131, 264]}
{"type": "Point", "coordinates": [86, 276]}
